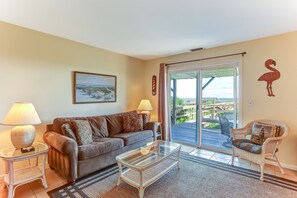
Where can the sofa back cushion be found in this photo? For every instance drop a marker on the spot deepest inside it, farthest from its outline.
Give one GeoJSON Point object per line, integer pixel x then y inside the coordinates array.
{"type": "Point", "coordinates": [68, 130]}
{"type": "Point", "coordinates": [58, 122]}
{"type": "Point", "coordinates": [115, 122]}
{"type": "Point", "coordinates": [132, 123]}
{"type": "Point", "coordinates": [102, 126]}
{"type": "Point", "coordinates": [145, 118]}
{"type": "Point", "coordinates": [99, 126]}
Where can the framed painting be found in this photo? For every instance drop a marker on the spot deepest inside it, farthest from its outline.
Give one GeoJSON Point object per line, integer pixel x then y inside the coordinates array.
{"type": "Point", "coordinates": [94, 88]}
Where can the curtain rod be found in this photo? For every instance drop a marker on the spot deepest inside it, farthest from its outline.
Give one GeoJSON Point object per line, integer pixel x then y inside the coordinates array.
{"type": "Point", "coordinates": [189, 61]}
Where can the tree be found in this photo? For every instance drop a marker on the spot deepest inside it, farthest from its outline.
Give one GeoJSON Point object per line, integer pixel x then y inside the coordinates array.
{"type": "Point", "coordinates": [179, 101]}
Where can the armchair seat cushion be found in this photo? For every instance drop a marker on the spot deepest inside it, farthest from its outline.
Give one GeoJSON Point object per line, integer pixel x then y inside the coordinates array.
{"type": "Point", "coordinates": [133, 137]}
{"type": "Point", "coordinates": [247, 145]}
{"type": "Point", "coordinates": [98, 147]}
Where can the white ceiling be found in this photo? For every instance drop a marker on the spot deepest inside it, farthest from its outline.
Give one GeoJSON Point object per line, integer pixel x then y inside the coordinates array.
{"type": "Point", "coordinates": [149, 29]}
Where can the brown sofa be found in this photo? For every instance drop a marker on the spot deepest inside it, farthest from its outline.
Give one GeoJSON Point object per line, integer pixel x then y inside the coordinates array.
{"type": "Point", "coordinates": [73, 161]}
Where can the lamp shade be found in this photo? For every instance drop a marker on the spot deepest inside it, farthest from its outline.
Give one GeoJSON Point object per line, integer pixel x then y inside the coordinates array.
{"type": "Point", "coordinates": [21, 113]}
{"type": "Point", "coordinates": [145, 105]}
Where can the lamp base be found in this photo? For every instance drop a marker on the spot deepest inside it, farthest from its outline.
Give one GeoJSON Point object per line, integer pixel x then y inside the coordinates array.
{"type": "Point", "coordinates": [28, 149]}
{"type": "Point", "coordinates": [145, 112]}
{"type": "Point", "coordinates": [22, 136]}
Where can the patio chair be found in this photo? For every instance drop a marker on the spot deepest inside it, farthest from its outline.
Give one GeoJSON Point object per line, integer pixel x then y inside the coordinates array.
{"type": "Point", "coordinates": [226, 130]}
{"type": "Point", "coordinates": [245, 148]}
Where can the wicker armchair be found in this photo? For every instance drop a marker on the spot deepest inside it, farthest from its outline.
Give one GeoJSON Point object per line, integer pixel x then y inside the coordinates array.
{"type": "Point", "coordinates": [266, 151]}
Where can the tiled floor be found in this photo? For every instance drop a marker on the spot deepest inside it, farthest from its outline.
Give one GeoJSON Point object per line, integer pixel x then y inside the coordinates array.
{"type": "Point", "coordinates": [269, 169]}
{"type": "Point", "coordinates": [35, 189]}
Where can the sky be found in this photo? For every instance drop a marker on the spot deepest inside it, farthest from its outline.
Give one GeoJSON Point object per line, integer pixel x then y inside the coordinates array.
{"type": "Point", "coordinates": [89, 79]}
{"type": "Point", "coordinates": [220, 87]}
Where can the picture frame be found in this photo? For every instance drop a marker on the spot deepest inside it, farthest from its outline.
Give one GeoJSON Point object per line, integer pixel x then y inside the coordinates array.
{"type": "Point", "coordinates": [94, 88]}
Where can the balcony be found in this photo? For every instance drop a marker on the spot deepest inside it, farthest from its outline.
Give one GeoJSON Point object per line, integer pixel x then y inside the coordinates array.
{"type": "Point", "coordinates": [186, 133]}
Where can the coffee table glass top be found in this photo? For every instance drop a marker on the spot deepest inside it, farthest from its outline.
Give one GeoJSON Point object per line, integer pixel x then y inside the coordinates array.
{"type": "Point", "coordinates": [148, 155]}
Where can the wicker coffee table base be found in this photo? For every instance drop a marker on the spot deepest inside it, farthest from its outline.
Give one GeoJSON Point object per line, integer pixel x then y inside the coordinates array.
{"type": "Point", "coordinates": [142, 178]}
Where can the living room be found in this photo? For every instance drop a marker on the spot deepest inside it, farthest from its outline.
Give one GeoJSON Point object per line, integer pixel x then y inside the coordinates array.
{"type": "Point", "coordinates": [37, 65]}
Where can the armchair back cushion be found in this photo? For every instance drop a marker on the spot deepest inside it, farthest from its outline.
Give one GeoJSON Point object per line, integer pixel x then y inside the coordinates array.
{"type": "Point", "coordinates": [262, 131]}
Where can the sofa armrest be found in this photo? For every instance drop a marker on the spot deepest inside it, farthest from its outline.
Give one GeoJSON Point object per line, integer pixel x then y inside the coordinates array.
{"type": "Point", "coordinates": [61, 143]}
{"type": "Point", "coordinates": [64, 147]}
{"type": "Point", "coordinates": [154, 126]}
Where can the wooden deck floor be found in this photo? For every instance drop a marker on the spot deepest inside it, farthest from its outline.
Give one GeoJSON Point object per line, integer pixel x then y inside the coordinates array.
{"type": "Point", "coordinates": [186, 132]}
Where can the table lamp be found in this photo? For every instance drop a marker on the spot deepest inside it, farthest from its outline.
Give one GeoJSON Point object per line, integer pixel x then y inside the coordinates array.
{"type": "Point", "coordinates": [22, 115]}
{"type": "Point", "coordinates": [145, 106]}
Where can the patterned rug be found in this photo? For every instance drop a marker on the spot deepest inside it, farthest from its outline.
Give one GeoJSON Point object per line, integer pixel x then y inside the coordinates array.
{"type": "Point", "coordinates": [197, 177]}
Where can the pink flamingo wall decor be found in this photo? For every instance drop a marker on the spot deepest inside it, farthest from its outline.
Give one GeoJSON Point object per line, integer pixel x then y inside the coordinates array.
{"type": "Point", "coordinates": [269, 77]}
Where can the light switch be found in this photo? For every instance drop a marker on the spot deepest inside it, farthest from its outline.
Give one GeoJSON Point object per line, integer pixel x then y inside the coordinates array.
{"type": "Point", "coordinates": [251, 103]}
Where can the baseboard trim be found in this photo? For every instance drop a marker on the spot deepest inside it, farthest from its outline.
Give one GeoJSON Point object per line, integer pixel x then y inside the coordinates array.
{"type": "Point", "coordinates": [288, 166]}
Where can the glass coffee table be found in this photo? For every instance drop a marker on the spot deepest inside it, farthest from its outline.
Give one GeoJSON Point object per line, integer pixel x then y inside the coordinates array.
{"type": "Point", "coordinates": [148, 164]}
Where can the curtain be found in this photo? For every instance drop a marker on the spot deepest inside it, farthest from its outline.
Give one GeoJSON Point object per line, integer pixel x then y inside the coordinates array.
{"type": "Point", "coordinates": [162, 110]}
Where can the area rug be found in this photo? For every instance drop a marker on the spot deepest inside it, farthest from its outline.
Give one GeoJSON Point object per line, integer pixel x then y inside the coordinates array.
{"type": "Point", "coordinates": [197, 177]}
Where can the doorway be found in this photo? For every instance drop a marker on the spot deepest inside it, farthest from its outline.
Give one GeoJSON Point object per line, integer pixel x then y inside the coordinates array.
{"type": "Point", "coordinates": [204, 106]}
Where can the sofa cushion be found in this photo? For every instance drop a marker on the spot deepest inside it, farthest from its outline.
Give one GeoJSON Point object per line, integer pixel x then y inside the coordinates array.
{"type": "Point", "coordinates": [115, 122]}
{"type": "Point", "coordinates": [133, 137]}
{"type": "Point", "coordinates": [99, 126]}
{"type": "Point", "coordinates": [58, 122]}
{"type": "Point", "coordinates": [132, 123]}
{"type": "Point", "coordinates": [83, 132]}
{"type": "Point", "coordinates": [99, 147]}
{"type": "Point", "coordinates": [68, 130]}
{"type": "Point", "coordinates": [247, 145]}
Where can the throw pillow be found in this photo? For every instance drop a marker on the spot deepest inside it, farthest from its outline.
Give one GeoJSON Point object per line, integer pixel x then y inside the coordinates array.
{"type": "Point", "coordinates": [83, 132]}
{"type": "Point", "coordinates": [68, 130]}
{"type": "Point", "coordinates": [132, 123]}
{"type": "Point", "coordinates": [262, 131]}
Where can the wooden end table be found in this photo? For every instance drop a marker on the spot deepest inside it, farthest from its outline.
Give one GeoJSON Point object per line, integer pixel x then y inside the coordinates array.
{"type": "Point", "coordinates": [14, 178]}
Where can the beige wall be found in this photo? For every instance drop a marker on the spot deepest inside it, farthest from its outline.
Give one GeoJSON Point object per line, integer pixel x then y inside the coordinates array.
{"type": "Point", "coordinates": [281, 48]}
{"type": "Point", "coordinates": [37, 68]}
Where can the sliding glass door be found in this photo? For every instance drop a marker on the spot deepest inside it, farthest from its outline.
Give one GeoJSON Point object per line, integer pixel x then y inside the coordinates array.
{"type": "Point", "coordinates": [204, 106]}
{"type": "Point", "coordinates": [183, 105]}
{"type": "Point", "coordinates": [218, 107]}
